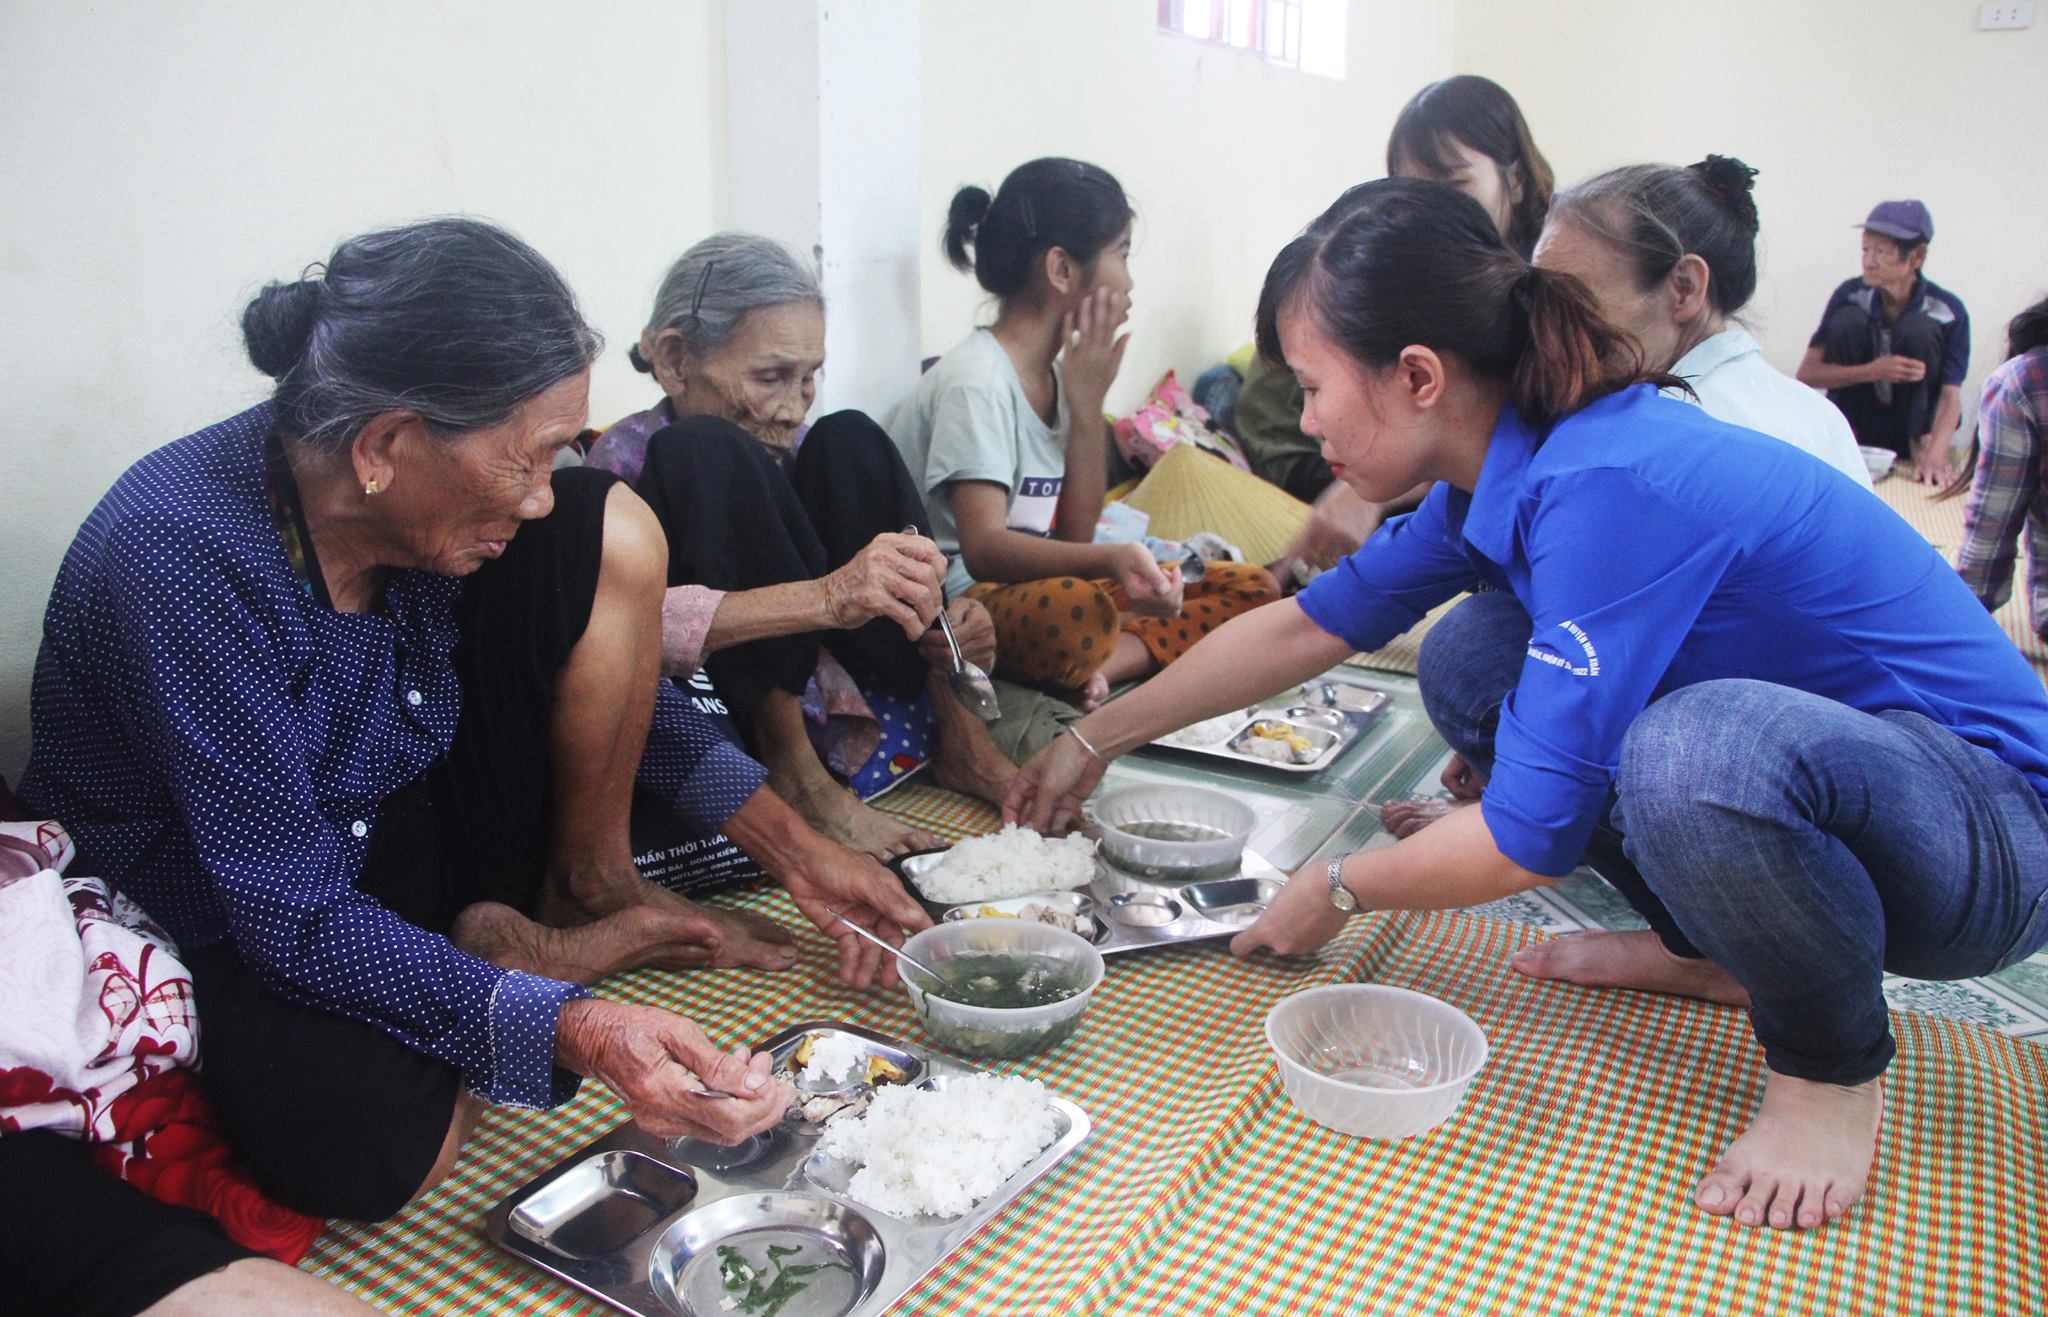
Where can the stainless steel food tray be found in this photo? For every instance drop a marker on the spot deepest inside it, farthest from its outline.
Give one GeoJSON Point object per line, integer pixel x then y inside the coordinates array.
{"type": "Point", "coordinates": [631, 1217]}
{"type": "Point", "coordinates": [1133, 913]}
{"type": "Point", "coordinates": [1330, 715]}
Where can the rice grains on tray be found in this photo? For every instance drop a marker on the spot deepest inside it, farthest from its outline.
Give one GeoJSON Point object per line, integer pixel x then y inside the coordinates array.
{"type": "Point", "coordinates": [940, 1151]}
{"type": "Point", "coordinates": [1012, 862]}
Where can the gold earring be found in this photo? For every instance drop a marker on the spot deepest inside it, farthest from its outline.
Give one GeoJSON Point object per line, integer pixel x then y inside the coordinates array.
{"type": "Point", "coordinates": [370, 489]}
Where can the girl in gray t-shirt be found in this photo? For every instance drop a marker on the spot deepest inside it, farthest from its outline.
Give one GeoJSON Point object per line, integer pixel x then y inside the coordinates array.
{"type": "Point", "coordinates": [1007, 439]}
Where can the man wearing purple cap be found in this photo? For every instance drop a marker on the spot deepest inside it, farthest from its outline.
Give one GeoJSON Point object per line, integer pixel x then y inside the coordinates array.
{"type": "Point", "coordinates": [1893, 346]}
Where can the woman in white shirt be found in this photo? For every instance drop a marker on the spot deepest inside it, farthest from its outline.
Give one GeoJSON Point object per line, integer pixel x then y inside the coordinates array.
{"type": "Point", "coordinates": [1670, 254]}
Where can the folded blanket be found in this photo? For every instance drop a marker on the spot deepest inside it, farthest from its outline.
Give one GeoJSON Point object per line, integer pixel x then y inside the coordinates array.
{"type": "Point", "coordinates": [98, 1041]}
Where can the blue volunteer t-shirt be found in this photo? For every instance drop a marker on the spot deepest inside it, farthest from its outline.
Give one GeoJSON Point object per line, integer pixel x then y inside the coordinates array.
{"type": "Point", "coordinates": [1655, 547]}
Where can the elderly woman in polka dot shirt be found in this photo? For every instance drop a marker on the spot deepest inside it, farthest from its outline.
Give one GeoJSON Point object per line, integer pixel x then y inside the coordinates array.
{"type": "Point", "coordinates": [347, 687]}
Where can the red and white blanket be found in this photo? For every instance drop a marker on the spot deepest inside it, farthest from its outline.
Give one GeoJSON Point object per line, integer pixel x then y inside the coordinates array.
{"type": "Point", "coordinates": [99, 1041]}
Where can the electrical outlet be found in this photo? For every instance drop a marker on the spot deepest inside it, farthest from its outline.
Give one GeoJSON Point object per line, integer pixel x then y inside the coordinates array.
{"type": "Point", "coordinates": [2001, 14]}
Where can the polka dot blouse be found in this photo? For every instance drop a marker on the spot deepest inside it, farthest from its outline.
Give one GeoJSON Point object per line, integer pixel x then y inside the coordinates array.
{"type": "Point", "coordinates": [218, 743]}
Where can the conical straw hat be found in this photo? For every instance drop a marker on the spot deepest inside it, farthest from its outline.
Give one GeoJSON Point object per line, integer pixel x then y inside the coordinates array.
{"type": "Point", "coordinates": [1189, 492]}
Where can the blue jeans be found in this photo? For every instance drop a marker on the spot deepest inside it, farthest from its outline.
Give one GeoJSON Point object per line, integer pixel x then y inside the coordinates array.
{"type": "Point", "coordinates": [1805, 846]}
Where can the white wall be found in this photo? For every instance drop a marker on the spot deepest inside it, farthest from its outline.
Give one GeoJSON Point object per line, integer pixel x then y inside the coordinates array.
{"type": "Point", "coordinates": [162, 160]}
{"type": "Point", "coordinates": [1225, 156]}
{"type": "Point", "coordinates": [822, 153]}
{"type": "Point", "coordinates": [1840, 104]}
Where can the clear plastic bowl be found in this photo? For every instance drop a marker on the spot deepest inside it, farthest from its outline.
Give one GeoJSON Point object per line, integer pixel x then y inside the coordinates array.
{"type": "Point", "coordinates": [1375, 1061]}
{"type": "Point", "coordinates": [1220, 825]}
{"type": "Point", "coordinates": [994, 1032]}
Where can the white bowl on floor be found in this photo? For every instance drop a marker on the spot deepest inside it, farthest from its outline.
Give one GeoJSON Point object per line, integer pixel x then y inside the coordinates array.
{"type": "Point", "coordinates": [1879, 460]}
{"type": "Point", "coordinates": [1372, 1060]}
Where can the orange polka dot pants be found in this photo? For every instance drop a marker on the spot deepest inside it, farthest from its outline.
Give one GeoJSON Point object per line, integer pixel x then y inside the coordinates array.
{"type": "Point", "coordinates": [1059, 632]}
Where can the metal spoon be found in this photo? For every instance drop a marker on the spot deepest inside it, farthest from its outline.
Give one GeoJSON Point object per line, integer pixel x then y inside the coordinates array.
{"type": "Point", "coordinates": [1193, 567]}
{"type": "Point", "coordinates": [897, 952]}
{"type": "Point", "coordinates": [970, 684]}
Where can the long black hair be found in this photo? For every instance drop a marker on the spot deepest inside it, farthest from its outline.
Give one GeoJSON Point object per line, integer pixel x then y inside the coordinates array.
{"type": "Point", "coordinates": [454, 320]}
{"type": "Point", "coordinates": [2027, 330]}
{"type": "Point", "coordinates": [1416, 262]}
{"type": "Point", "coordinates": [1046, 203]}
{"type": "Point", "coordinates": [1479, 113]}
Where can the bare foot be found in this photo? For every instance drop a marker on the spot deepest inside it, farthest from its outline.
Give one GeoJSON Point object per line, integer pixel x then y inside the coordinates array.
{"type": "Point", "coordinates": [966, 759]}
{"type": "Point", "coordinates": [983, 775]}
{"type": "Point", "coordinates": [836, 812]}
{"type": "Point", "coordinates": [1637, 959]}
{"type": "Point", "coordinates": [1093, 693]}
{"type": "Point", "coordinates": [672, 933]}
{"type": "Point", "coordinates": [1405, 818]}
{"type": "Point", "coordinates": [1804, 1160]}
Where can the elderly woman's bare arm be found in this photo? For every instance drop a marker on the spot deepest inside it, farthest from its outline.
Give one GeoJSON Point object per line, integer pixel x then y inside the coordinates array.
{"type": "Point", "coordinates": [895, 576]}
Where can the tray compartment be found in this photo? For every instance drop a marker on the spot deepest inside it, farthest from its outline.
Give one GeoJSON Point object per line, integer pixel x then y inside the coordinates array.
{"type": "Point", "coordinates": [685, 1272]}
{"type": "Point", "coordinates": [1077, 905]}
{"type": "Point", "coordinates": [1234, 901]}
{"type": "Point", "coordinates": [1321, 741]}
{"type": "Point", "coordinates": [810, 1084]}
{"type": "Point", "coordinates": [1143, 909]}
{"type": "Point", "coordinates": [602, 1204]}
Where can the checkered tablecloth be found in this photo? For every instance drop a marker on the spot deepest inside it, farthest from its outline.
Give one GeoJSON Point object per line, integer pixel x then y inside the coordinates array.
{"type": "Point", "coordinates": [1560, 1185]}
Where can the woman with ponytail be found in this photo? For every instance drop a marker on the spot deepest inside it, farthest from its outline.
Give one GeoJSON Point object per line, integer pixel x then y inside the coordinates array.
{"type": "Point", "coordinates": [1670, 255]}
{"type": "Point", "coordinates": [1747, 692]}
{"type": "Point", "coordinates": [1006, 439]}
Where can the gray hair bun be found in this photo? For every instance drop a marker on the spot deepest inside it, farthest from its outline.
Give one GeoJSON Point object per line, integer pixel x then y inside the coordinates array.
{"type": "Point", "coordinates": [277, 325]}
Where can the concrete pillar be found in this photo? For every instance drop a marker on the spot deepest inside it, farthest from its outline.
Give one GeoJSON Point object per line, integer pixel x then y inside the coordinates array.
{"type": "Point", "coordinates": [822, 151]}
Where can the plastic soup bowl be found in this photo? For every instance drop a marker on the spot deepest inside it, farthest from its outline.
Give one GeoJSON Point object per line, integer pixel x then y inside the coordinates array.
{"type": "Point", "coordinates": [997, 1032]}
{"type": "Point", "coordinates": [1375, 1061]}
{"type": "Point", "coordinates": [1216, 825]}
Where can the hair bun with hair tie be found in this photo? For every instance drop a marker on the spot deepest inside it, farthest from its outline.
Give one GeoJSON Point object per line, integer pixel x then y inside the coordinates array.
{"type": "Point", "coordinates": [639, 363]}
{"type": "Point", "coordinates": [1733, 183]}
{"type": "Point", "coordinates": [278, 323]}
{"type": "Point", "coordinates": [963, 224]}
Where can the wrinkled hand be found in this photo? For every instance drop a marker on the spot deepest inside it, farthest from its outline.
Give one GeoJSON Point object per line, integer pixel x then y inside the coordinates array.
{"type": "Point", "coordinates": [836, 878]}
{"type": "Point", "coordinates": [1461, 780]}
{"type": "Point", "coordinates": [1339, 522]}
{"type": "Point", "coordinates": [1932, 464]}
{"type": "Point", "coordinates": [659, 1062]}
{"type": "Point", "coordinates": [1300, 920]}
{"type": "Point", "coordinates": [1153, 591]}
{"type": "Point", "coordinates": [1047, 793]}
{"type": "Point", "coordinates": [973, 628]}
{"type": "Point", "coordinates": [1896, 369]}
{"type": "Point", "coordinates": [1094, 350]}
{"type": "Point", "coordinates": [895, 576]}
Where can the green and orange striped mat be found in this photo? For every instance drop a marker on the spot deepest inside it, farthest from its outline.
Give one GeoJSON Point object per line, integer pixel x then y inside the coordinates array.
{"type": "Point", "coordinates": [1560, 1185]}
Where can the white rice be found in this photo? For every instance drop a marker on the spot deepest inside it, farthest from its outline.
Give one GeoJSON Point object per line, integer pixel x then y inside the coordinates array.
{"type": "Point", "coordinates": [1208, 732]}
{"type": "Point", "coordinates": [1013, 862]}
{"type": "Point", "coordinates": [837, 1056]}
{"type": "Point", "coordinates": [940, 1151]}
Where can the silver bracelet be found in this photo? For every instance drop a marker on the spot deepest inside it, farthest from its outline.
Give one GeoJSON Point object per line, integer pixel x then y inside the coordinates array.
{"type": "Point", "coordinates": [1074, 730]}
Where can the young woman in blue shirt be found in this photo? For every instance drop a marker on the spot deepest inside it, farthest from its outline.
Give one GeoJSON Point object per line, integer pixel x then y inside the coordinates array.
{"type": "Point", "coordinates": [1748, 692]}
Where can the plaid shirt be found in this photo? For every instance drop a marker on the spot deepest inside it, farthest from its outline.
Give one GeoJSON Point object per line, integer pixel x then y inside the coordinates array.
{"type": "Point", "coordinates": [2009, 491]}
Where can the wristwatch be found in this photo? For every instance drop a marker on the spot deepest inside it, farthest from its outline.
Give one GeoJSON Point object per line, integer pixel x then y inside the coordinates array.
{"type": "Point", "coordinates": [1340, 896]}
